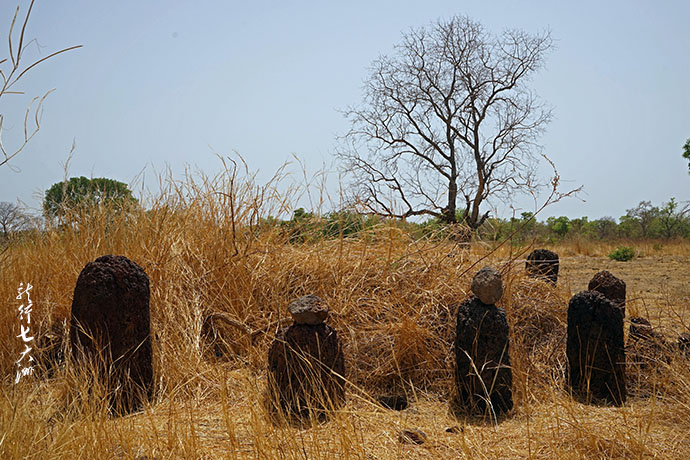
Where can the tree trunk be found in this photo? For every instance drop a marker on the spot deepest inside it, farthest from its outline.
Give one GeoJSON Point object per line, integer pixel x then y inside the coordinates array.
{"type": "Point", "coordinates": [449, 211]}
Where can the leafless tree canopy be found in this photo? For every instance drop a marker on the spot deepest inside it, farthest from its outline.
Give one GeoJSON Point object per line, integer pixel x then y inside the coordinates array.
{"type": "Point", "coordinates": [448, 117]}
{"type": "Point", "coordinates": [12, 219]}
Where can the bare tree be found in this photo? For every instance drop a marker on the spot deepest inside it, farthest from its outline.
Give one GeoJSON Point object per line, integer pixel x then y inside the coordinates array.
{"type": "Point", "coordinates": [12, 69]}
{"type": "Point", "coordinates": [12, 219]}
{"type": "Point", "coordinates": [448, 118]}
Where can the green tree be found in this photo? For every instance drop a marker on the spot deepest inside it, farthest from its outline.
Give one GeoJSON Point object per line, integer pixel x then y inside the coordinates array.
{"type": "Point", "coordinates": [671, 218]}
{"type": "Point", "coordinates": [83, 193]}
{"type": "Point", "coordinates": [643, 215]}
{"type": "Point", "coordinates": [686, 153]}
{"type": "Point", "coordinates": [604, 228]}
{"type": "Point", "coordinates": [345, 223]}
{"type": "Point", "coordinates": [559, 225]}
{"type": "Point", "coordinates": [301, 227]}
{"type": "Point", "coordinates": [580, 226]}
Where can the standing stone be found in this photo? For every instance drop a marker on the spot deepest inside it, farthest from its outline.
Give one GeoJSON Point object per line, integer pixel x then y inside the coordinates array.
{"type": "Point", "coordinates": [306, 364]}
{"type": "Point", "coordinates": [487, 285]}
{"type": "Point", "coordinates": [110, 326]}
{"type": "Point", "coordinates": [595, 349]}
{"type": "Point", "coordinates": [482, 361]}
{"type": "Point", "coordinates": [613, 288]}
{"type": "Point", "coordinates": [542, 263]}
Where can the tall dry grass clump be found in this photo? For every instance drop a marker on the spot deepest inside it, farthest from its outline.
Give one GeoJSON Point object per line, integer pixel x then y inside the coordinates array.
{"type": "Point", "coordinates": [221, 277]}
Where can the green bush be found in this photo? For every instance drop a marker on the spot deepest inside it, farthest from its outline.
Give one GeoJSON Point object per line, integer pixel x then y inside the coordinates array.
{"type": "Point", "coordinates": [622, 254]}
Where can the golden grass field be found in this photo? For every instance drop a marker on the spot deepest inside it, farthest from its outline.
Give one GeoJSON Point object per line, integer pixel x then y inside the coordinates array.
{"type": "Point", "coordinates": [392, 301]}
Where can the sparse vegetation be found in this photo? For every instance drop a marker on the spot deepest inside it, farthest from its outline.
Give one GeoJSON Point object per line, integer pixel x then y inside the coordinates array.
{"type": "Point", "coordinates": [622, 254]}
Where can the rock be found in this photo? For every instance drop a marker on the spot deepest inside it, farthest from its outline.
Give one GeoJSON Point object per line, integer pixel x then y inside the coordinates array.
{"type": "Point", "coordinates": [395, 402]}
{"type": "Point", "coordinates": [487, 285]}
{"type": "Point", "coordinates": [595, 349]}
{"type": "Point", "coordinates": [542, 263]}
{"type": "Point", "coordinates": [110, 326]}
{"type": "Point", "coordinates": [308, 309]}
{"type": "Point", "coordinates": [454, 429]}
{"type": "Point", "coordinates": [412, 436]}
{"type": "Point", "coordinates": [306, 371]}
{"type": "Point", "coordinates": [481, 344]}
{"type": "Point", "coordinates": [613, 288]}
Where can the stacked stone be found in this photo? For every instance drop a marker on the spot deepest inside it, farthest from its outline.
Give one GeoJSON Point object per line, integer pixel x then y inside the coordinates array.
{"type": "Point", "coordinates": [482, 371]}
{"type": "Point", "coordinates": [595, 349]}
{"type": "Point", "coordinates": [611, 287]}
{"type": "Point", "coordinates": [110, 328]}
{"type": "Point", "coordinates": [542, 264]}
{"type": "Point", "coordinates": [306, 362]}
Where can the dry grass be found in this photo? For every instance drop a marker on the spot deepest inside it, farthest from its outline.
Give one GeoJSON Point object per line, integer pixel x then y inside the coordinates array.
{"type": "Point", "coordinates": [393, 303]}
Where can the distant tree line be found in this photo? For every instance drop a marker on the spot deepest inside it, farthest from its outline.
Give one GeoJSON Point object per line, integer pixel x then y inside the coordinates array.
{"type": "Point", "coordinates": [645, 221]}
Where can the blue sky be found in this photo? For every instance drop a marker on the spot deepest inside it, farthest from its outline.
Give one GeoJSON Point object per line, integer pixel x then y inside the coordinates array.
{"type": "Point", "coordinates": [166, 84]}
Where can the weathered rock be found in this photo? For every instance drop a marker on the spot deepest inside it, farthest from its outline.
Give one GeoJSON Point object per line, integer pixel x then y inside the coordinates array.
{"type": "Point", "coordinates": [482, 361]}
{"type": "Point", "coordinates": [395, 402]}
{"type": "Point", "coordinates": [110, 326]}
{"type": "Point", "coordinates": [487, 285]}
{"type": "Point", "coordinates": [309, 309]}
{"type": "Point", "coordinates": [412, 436]}
{"type": "Point", "coordinates": [613, 288]}
{"type": "Point", "coordinates": [542, 263]}
{"type": "Point", "coordinates": [595, 349]}
{"type": "Point", "coordinates": [306, 370]}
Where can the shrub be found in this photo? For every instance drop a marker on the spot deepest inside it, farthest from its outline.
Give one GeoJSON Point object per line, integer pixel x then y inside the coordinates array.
{"type": "Point", "coordinates": [622, 254]}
